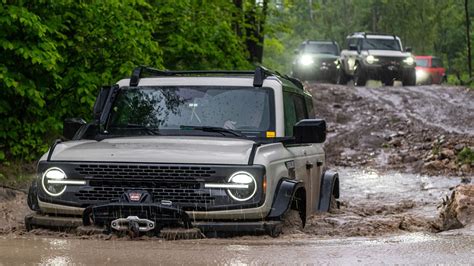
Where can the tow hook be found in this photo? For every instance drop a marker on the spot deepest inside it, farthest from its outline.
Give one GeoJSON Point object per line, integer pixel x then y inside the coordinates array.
{"type": "Point", "coordinates": [133, 225]}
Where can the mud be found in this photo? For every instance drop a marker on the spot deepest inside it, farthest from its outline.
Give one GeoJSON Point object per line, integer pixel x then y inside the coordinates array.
{"type": "Point", "coordinates": [410, 129]}
{"type": "Point", "coordinates": [13, 209]}
{"type": "Point", "coordinates": [412, 248]}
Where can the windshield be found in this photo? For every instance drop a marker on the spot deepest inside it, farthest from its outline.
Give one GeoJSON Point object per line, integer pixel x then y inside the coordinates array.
{"type": "Point", "coordinates": [380, 44]}
{"type": "Point", "coordinates": [422, 62]}
{"type": "Point", "coordinates": [181, 110]}
{"type": "Point", "coordinates": [321, 49]}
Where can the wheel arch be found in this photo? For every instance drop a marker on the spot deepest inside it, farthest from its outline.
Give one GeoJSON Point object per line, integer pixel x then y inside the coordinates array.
{"type": "Point", "coordinates": [329, 187]}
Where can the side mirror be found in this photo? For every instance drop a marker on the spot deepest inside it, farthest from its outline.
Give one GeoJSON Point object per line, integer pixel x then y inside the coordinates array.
{"type": "Point", "coordinates": [310, 131]}
{"type": "Point", "coordinates": [101, 100]}
{"type": "Point", "coordinates": [71, 126]}
{"type": "Point", "coordinates": [408, 49]}
{"type": "Point", "coordinates": [353, 47]}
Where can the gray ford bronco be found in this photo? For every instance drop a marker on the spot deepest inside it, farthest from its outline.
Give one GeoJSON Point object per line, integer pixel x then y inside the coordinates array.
{"type": "Point", "coordinates": [376, 57]}
{"type": "Point", "coordinates": [316, 60]}
{"type": "Point", "coordinates": [230, 151]}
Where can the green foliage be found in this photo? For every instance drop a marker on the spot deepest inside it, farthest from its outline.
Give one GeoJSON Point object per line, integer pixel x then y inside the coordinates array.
{"type": "Point", "coordinates": [54, 55]}
{"type": "Point", "coordinates": [466, 156]}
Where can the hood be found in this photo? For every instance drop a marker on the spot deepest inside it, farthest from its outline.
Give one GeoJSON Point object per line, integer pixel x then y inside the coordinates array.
{"type": "Point", "coordinates": [388, 53]}
{"type": "Point", "coordinates": [153, 149]}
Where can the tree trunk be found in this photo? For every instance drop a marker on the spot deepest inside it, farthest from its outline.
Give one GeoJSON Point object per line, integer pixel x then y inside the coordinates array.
{"type": "Point", "coordinates": [468, 36]}
{"type": "Point", "coordinates": [253, 29]}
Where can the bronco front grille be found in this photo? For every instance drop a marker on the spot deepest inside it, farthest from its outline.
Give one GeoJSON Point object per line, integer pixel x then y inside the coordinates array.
{"type": "Point", "coordinates": [154, 172]}
{"type": "Point", "coordinates": [179, 184]}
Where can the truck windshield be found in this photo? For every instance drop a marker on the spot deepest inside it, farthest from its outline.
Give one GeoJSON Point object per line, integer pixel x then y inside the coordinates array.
{"type": "Point", "coordinates": [422, 62]}
{"type": "Point", "coordinates": [182, 110]}
{"type": "Point", "coordinates": [321, 48]}
{"type": "Point", "coordinates": [380, 44]}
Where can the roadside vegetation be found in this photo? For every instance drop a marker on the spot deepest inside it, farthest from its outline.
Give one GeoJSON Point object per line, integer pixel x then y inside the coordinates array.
{"type": "Point", "coordinates": [55, 55]}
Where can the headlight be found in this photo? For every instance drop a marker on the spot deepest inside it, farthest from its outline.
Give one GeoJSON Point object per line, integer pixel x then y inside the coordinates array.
{"type": "Point", "coordinates": [306, 60]}
{"type": "Point", "coordinates": [245, 188]}
{"type": "Point", "coordinates": [54, 181]}
{"type": "Point", "coordinates": [371, 59]}
{"type": "Point", "coordinates": [409, 60]}
{"type": "Point", "coordinates": [51, 181]}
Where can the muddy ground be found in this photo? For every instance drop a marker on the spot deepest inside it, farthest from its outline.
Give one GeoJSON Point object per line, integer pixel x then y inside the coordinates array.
{"type": "Point", "coordinates": [419, 129]}
{"type": "Point", "coordinates": [398, 151]}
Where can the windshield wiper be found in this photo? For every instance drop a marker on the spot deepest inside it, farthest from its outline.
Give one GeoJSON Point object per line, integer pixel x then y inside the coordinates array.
{"type": "Point", "coordinates": [213, 129]}
{"type": "Point", "coordinates": [149, 130]}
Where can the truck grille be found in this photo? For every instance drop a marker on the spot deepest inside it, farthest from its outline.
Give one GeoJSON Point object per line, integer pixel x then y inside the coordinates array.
{"type": "Point", "coordinates": [179, 184]}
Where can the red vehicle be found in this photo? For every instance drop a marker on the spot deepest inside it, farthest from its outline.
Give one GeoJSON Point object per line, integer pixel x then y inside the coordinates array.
{"type": "Point", "coordinates": [429, 70]}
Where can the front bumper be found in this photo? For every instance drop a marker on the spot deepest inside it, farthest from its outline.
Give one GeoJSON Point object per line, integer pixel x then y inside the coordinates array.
{"type": "Point", "coordinates": [387, 72]}
{"type": "Point", "coordinates": [316, 72]}
{"type": "Point", "coordinates": [37, 220]}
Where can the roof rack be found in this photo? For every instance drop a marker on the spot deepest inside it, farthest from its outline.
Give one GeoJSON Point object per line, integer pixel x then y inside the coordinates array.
{"type": "Point", "coordinates": [259, 74]}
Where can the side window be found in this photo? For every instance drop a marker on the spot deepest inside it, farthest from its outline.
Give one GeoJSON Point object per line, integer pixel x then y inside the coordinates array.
{"type": "Point", "coordinates": [295, 110]}
{"type": "Point", "coordinates": [350, 41]}
{"type": "Point", "coordinates": [436, 62]}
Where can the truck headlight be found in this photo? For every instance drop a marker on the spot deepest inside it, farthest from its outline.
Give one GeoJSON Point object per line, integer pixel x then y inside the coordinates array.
{"type": "Point", "coordinates": [245, 188]}
{"type": "Point", "coordinates": [50, 182]}
{"type": "Point", "coordinates": [371, 59]}
{"type": "Point", "coordinates": [409, 60]}
{"type": "Point", "coordinates": [306, 60]}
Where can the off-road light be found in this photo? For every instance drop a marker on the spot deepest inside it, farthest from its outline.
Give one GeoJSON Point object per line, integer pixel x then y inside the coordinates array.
{"type": "Point", "coordinates": [54, 181]}
{"type": "Point", "coordinates": [409, 60]}
{"type": "Point", "coordinates": [371, 59]}
{"type": "Point", "coordinates": [242, 179]}
{"type": "Point", "coordinates": [306, 60]}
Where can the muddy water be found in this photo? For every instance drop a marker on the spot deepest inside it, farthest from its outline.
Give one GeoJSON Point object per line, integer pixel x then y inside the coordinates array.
{"type": "Point", "coordinates": [410, 248]}
{"type": "Point", "coordinates": [375, 203]}
{"type": "Point", "coordinates": [384, 218]}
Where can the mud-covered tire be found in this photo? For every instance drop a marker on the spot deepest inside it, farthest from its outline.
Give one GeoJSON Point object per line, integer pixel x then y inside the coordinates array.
{"type": "Point", "coordinates": [292, 220]}
{"type": "Point", "coordinates": [360, 76]}
{"type": "Point", "coordinates": [342, 78]}
{"type": "Point", "coordinates": [334, 204]}
{"type": "Point", "coordinates": [389, 82]}
{"type": "Point", "coordinates": [409, 78]}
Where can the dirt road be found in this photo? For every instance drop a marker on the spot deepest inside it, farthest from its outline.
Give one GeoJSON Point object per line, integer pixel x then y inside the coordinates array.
{"type": "Point", "coordinates": [397, 150]}
{"type": "Point", "coordinates": [419, 129]}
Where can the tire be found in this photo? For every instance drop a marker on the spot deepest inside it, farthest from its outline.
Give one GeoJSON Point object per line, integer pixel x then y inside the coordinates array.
{"type": "Point", "coordinates": [360, 76]}
{"type": "Point", "coordinates": [389, 82]}
{"type": "Point", "coordinates": [334, 204]}
{"type": "Point", "coordinates": [341, 77]}
{"type": "Point", "coordinates": [409, 78]}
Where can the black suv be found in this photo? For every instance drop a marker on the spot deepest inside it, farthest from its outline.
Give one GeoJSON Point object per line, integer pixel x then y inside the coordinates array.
{"type": "Point", "coordinates": [316, 60]}
{"type": "Point", "coordinates": [377, 57]}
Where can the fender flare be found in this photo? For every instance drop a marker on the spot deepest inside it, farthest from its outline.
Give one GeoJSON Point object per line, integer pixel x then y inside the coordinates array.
{"type": "Point", "coordinates": [32, 199]}
{"type": "Point", "coordinates": [329, 187]}
{"type": "Point", "coordinates": [285, 192]}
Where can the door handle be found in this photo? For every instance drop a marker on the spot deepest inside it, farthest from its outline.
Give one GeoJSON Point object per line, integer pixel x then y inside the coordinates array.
{"type": "Point", "coordinates": [309, 165]}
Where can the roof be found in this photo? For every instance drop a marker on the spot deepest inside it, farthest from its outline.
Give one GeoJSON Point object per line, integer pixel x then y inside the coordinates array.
{"type": "Point", "coordinates": [372, 35]}
{"type": "Point", "coordinates": [259, 75]}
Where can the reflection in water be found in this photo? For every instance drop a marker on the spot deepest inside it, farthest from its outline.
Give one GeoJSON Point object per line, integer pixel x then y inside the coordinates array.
{"type": "Point", "coordinates": [55, 254]}
{"type": "Point", "coordinates": [56, 260]}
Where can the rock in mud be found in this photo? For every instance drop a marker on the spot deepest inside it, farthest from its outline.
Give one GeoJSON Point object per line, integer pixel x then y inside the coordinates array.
{"type": "Point", "coordinates": [457, 211]}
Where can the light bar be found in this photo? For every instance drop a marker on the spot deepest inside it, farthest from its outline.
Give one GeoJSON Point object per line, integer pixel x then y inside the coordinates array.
{"type": "Point", "coordinates": [227, 186]}
{"type": "Point", "coordinates": [66, 182]}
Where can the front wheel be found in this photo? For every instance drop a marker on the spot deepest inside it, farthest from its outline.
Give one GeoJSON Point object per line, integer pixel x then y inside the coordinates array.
{"type": "Point", "coordinates": [360, 76]}
{"type": "Point", "coordinates": [341, 77]}
{"type": "Point", "coordinates": [409, 79]}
